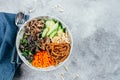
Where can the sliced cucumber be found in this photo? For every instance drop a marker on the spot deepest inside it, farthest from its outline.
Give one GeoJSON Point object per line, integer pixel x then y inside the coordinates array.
{"type": "Point", "coordinates": [54, 20]}
{"type": "Point", "coordinates": [52, 28]}
{"type": "Point", "coordinates": [53, 34]}
{"type": "Point", "coordinates": [64, 30]}
{"type": "Point", "coordinates": [49, 23]}
{"type": "Point", "coordinates": [45, 32]}
{"type": "Point", "coordinates": [60, 31]}
{"type": "Point", "coordinates": [59, 27]}
{"type": "Point", "coordinates": [60, 24]}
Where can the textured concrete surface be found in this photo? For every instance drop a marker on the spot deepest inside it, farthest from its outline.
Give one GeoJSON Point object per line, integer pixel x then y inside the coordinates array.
{"type": "Point", "coordinates": [95, 27]}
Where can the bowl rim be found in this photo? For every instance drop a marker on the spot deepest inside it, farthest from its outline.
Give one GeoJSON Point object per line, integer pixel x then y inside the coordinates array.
{"type": "Point", "coordinates": [47, 68]}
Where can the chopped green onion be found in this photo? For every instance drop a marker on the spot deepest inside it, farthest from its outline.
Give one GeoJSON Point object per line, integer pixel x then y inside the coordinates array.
{"type": "Point", "coordinates": [24, 54]}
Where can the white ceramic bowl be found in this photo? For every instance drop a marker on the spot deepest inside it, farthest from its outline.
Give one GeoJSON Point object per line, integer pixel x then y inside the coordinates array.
{"type": "Point", "coordinates": [20, 35]}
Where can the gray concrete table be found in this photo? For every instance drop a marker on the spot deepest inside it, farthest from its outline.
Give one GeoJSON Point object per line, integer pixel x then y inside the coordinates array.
{"type": "Point", "coordinates": [95, 27]}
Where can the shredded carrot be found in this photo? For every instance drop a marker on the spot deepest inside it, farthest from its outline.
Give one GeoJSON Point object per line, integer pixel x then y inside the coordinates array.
{"type": "Point", "coordinates": [42, 59]}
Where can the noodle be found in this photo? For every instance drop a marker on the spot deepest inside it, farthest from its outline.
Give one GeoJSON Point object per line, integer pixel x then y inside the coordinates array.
{"type": "Point", "coordinates": [59, 52]}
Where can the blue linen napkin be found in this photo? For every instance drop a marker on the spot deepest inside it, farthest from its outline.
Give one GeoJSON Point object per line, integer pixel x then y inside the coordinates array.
{"type": "Point", "coordinates": [8, 32]}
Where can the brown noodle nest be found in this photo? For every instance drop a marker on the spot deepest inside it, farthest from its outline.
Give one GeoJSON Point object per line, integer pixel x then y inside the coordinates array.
{"type": "Point", "coordinates": [59, 52]}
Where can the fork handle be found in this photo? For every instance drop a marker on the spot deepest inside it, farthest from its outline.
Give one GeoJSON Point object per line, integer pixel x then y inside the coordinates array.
{"type": "Point", "coordinates": [18, 60]}
{"type": "Point", "coordinates": [13, 55]}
